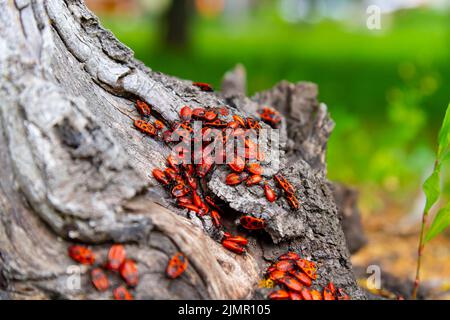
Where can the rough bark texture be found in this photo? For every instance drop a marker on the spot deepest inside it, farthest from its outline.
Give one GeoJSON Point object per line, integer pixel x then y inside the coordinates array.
{"type": "Point", "coordinates": [73, 169]}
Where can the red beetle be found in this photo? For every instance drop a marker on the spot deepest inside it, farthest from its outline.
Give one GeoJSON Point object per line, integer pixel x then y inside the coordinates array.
{"type": "Point", "coordinates": [99, 279]}
{"type": "Point", "coordinates": [210, 115]}
{"type": "Point", "coordinates": [308, 267]}
{"type": "Point", "coordinates": [204, 209]}
{"type": "Point", "coordinates": [295, 295]}
{"type": "Point", "coordinates": [233, 124]}
{"type": "Point", "coordinates": [253, 124]}
{"type": "Point", "coordinates": [332, 287]}
{"type": "Point", "coordinates": [199, 113]}
{"type": "Point", "coordinates": [184, 200]}
{"type": "Point", "coordinates": [284, 184]}
{"type": "Point", "coordinates": [306, 294]}
{"type": "Point", "coordinates": [145, 127]}
{"type": "Point", "coordinates": [302, 277]}
{"type": "Point", "coordinates": [279, 295]}
{"type": "Point", "coordinates": [81, 254]}
{"type": "Point", "coordinates": [269, 193]}
{"type": "Point", "coordinates": [237, 165]}
{"type": "Point", "coordinates": [254, 179]}
{"type": "Point", "coordinates": [284, 265]}
{"type": "Point", "coordinates": [289, 256]}
{"type": "Point", "coordinates": [160, 176]}
{"type": "Point", "coordinates": [236, 178]}
{"type": "Point", "coordinates": [212, 203]}
{"type": "Point", "coordinates": [238, 239]}
{"type": "Point", "coordinates": [159, 125]}
{"type": "Point", "coordinates": [293, 202]}
{"type": "Point", "coordinates": [171, 173]}
{"type": "Point", "coordinates": [316, 295]}
{"type": "Point", "coordinates": [252, 223]}
{"type": "Point", "coordinates": [254, 168]}
{"type": "Point", "coordinates": [271, 269]}
{"type": "Point", "coordinates": [233, 246]}
{"type": "Point", "coordinates": [186, 113]}
{"type": "Point", "coordinates": [292, 283]}
{"type": "Point", "coordinates": [191, 181]}
{"type": "Point", "coordinates": [121, 293]}
{"type": "Point", "coordinates": [177, 265]}
{"type": "Point", "coordinates": [129, 272]}
{"type": "Point", "coordinates": [223, 111]}
{"type": "Point", "coordinates": [328, 295]}
{"type": "Point", "coordinates": [216, 123]}
{"type": "Point", "coordinates": [173, 163]}
{"type": "Point", "coordinates": [239, 120]}
{"type": "Point", "coordinates": [203, 86]}
{"type": "Point", "coordinates": [277, 274]}
{"type": "Point", "coordinates": [215, 216]}
{"type": "Point", "coordinates": [196, 200]}
{"type": "Point", "coordinates": [116, 256]}
{"type": "Point", "coordinates": [180, 190]}
{"type": "Point", "coordinates": [143, 108]}
{"type": "Point", "coordinates": [270, 116]}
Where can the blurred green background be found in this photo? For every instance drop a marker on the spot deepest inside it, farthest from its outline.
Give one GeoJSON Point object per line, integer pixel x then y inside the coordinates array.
{"type": "Point", "coordinates": [386, 89]}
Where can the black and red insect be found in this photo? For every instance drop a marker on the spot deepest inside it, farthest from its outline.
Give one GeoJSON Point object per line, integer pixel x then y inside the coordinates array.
{"type": "Point", "coordinates": [121, 293]}
{"type": "Point", "coordinates": [284, 184]}
{"type": "Point", "coordinates": [116, 256]}
{"type": "Point", "coordinates": [203, 86]}
{"type": "Point", "coordinates": [81, 254]}
{"type": "Point", "coordinates": [176, 265]}
{"type": "Point", "coordinates": [143, 108]}
{"type": "Point", "coordinates": [252, 223]}
{"type": "Point", "coordinates": [129, 272]}
{"type": "Point", "coordinates": [99, 279]}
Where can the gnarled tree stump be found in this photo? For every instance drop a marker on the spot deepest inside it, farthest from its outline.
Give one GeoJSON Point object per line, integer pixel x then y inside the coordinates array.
{"type": "Point", "coordinates": [73, 169]}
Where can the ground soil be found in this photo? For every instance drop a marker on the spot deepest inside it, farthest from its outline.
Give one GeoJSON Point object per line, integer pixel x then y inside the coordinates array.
{"type": "Point", "coordinates": [394, 249]}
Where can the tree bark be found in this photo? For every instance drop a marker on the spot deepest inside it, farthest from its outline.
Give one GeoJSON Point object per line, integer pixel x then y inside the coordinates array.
{"type": "Point", "coordinates": [73, 170]}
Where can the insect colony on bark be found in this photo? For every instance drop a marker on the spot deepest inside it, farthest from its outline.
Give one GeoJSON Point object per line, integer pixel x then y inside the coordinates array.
{"type": "Point", "coordinates": [117, 263]}
{"type": "Point", "coordinates": [185, 175]}
{"type": "Point", "coordinates": [295, 276]}
{"type": "Point", "coordinates": [186, 183]}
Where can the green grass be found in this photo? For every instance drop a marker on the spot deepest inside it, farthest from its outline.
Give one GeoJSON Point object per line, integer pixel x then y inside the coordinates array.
{"type": "Point", "coordinates": [387, 91]}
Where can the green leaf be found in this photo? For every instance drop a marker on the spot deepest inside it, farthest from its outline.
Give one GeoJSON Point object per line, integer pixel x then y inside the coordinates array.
{"type": "Point", "coordinates": [440, 222]}
{"type": "Point", "coordinates": [432, 188]}
{"type": "Point", "coordinates": [444, 137]}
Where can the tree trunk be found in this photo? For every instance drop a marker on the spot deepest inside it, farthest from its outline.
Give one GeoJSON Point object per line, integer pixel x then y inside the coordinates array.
{"type": "Point", "coordinates": [73, 170]}
{"type": "Point", "coordinates": [176, 25]}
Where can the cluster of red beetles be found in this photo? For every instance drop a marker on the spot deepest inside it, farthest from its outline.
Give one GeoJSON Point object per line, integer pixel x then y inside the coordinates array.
{"type": "Point", "coordinates": [186, 182]}
{"type": "Point", "coordinates": [126, 268]}
{"type": "Point", "coordinates": [117, 263]}
{"type": "Point", "coordinates": [295, 276]}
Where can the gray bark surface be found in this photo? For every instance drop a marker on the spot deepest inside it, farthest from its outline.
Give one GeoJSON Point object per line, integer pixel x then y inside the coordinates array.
{"type": "Point", "coordinates": [73, 170]}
